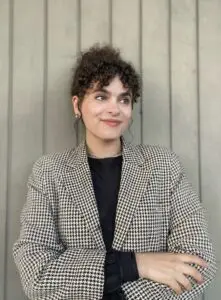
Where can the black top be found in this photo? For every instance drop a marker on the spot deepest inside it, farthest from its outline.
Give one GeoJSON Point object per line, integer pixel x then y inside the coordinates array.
{"type": "Point", "coordinates": [119, 266]}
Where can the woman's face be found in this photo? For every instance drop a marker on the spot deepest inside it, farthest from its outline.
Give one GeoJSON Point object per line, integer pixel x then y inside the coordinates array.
{"type": "Point", "coordinates": [106, 112]}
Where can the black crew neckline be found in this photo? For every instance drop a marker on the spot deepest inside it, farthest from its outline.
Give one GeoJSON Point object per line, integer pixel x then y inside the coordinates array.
{"type": "Point", "coordinates": [105, 158]}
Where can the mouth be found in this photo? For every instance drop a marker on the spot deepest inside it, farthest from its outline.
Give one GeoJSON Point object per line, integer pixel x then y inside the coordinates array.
{"type": "Point", "coordinates": [112, 123]}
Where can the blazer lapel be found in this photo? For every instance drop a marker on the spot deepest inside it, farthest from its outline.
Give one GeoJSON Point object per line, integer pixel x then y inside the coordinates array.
{"type": "Point", "coordinates": [134, 181]}
{"type": "Point", "coordinates": [79, 185]}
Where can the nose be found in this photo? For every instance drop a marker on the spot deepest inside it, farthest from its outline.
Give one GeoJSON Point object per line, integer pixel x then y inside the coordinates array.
{"type": "Point", "coordinates": [113, 107]}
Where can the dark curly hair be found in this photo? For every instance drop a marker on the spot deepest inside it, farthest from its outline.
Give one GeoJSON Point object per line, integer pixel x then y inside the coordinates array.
{"type": "Point", "coordinates": [100, 64]}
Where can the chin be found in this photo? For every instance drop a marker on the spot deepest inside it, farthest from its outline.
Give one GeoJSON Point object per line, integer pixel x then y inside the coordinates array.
{"type": "Point", "coordinates": [109, 137]}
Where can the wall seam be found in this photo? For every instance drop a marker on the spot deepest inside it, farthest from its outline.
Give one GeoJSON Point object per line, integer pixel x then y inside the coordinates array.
{"type": "Point", "coordinates": [110, 22]}
{"type": "Point", "coordinates": [141, 70]}
{"type": "Point", "coordinates": [198, 101]}
{"type": "Point", "coordinates": [198, 93]}
{"type": "Point", "coordinates": [79, 46]}
{"type": "Point", "coordinates": [45, 78]}
{"type": "Point", "coordinates": [170, 73]}
{"type": "Point", "coordinates": [9, 133]}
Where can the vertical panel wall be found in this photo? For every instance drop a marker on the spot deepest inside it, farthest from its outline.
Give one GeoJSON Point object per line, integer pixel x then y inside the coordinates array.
{"type": "Point", "coordinates": [174, 45]}
{"type": "Point", "coordinates": [26, 118]}
{"type": "Point", "coordinates": [5, 66]}
{"type": "Point", "coordinates": [210, 121]}
{"type": "Point", "coordinates": [156, 72]}
{"type": "Point", "coordinates": [61, 37]}
{"type": "Point", "coordinates": [184, 85]}
{"type": "Point", "coordinates": [130, 46]}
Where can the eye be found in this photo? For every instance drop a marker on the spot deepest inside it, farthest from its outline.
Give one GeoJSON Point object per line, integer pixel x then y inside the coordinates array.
{"type": "Point", "coordinates": [125, 100]}
{"type": "Point", "coordinates": [100, 97]}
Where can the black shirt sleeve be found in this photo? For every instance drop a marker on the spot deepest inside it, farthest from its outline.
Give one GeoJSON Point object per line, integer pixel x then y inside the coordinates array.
{"type": "Point", "coordinates": [112, 273]}
{"type": "Point", "coordinates": [128, 266]}
{"type": "Point", "coordinates": [120, 267]}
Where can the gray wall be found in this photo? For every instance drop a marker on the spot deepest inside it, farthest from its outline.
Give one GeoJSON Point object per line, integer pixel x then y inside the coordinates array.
{"type": "Point", "coordinates": [175, 44]}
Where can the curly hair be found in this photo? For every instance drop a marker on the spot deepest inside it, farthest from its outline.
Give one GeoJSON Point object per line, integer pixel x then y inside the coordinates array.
{"type": "Point", "coordinates": [100, 64]}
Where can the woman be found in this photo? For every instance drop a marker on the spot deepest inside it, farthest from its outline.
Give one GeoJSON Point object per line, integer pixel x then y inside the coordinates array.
{"type": "Point", "coordinates": [108, 219]}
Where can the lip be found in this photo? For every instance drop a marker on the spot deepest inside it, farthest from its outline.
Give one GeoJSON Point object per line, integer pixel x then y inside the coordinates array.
{"type": "Point", "coordinates": [112, 123]}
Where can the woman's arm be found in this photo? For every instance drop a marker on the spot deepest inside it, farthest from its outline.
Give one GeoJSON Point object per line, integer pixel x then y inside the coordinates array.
{"type": "Point", "coordinates": [188, 235]}
{"type": "Point", "coordinates": [47, 269]}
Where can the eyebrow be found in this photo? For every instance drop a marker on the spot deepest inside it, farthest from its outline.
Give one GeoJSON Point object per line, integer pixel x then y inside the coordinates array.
{"type": "Point", "coordinates": [107, 92]}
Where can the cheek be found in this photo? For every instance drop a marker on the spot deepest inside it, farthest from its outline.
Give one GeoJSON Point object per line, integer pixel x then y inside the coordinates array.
{"type": "Point", "coordinates": [90, 113]}
{"type": "Point", "coordinates": [127, 114]}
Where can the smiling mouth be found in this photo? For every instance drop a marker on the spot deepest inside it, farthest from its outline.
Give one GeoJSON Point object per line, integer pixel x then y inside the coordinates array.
{"type": "Point", "coordinates": [111, 123]}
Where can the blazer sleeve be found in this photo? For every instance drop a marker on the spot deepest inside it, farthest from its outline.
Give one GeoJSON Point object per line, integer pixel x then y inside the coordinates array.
{"type": "Point", "coordinates": [188, 234]}
{"type": "Point", "coordinates": [47, 269]}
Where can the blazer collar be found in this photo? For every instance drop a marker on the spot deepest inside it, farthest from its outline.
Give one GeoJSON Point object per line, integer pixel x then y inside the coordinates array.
{"type": "Point", "coordinates": [131, 154]}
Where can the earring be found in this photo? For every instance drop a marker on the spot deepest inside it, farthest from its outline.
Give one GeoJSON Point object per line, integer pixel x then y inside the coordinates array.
{"type": "Point", "coordinates": [77, 116]}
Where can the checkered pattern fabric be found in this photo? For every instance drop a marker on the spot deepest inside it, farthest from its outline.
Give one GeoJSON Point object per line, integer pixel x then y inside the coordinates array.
{"type": "Point", "coordinates": [60, 253]}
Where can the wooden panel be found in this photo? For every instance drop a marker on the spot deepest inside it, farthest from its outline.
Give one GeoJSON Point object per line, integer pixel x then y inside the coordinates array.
{"type": "Point", "coordinates": [27, 114]}
{"type": "Point", "coordinates": [184, 96]}
{"type": "Point", "coordinates": [95, 27]}
{"type": "Point", "coordinates": [4, 121]}
{"type": "Point", "coordinates": [155, 71]}
{"type": "Point", "coordinates": [210, 110]}
{"type": "Point", "coordinates": [95, 22]}
{"type": "Point", "coordinates": [130, 48]}
{"type": "Point", "coordinates": [62, 47]}
{"type": "Point", "coordinates": [184, 86]}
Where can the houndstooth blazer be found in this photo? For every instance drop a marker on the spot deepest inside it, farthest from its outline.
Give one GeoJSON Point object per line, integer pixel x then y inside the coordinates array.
{"type": "Point", "coordinates": [60, 253]}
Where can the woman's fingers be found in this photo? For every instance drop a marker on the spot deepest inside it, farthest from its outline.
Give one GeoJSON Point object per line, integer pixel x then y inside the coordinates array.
{"type": "Point", "coordinates": [192, 259]}
{"type": "Point", "coordinates": [174, 285]}
{"type": "Point", "coordinates": [184, 282]}
{"type": "Point", "coordinates": [191, 271]}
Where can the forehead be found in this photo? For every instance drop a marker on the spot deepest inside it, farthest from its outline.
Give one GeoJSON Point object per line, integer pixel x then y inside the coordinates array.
{"type": "Point", "coordinates": [115, 86]}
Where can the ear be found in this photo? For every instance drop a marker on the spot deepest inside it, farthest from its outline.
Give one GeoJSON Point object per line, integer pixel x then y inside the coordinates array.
{"type": "Point", "coordinates": [75, 103]}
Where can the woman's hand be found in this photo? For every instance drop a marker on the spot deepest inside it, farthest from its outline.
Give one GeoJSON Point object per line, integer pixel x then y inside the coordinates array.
{"type": "Point", "coordinates": [170, 269]}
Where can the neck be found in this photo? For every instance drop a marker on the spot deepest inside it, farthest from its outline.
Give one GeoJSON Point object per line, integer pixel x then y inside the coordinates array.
{"type": "Point", "coordinates": [101, 148]}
